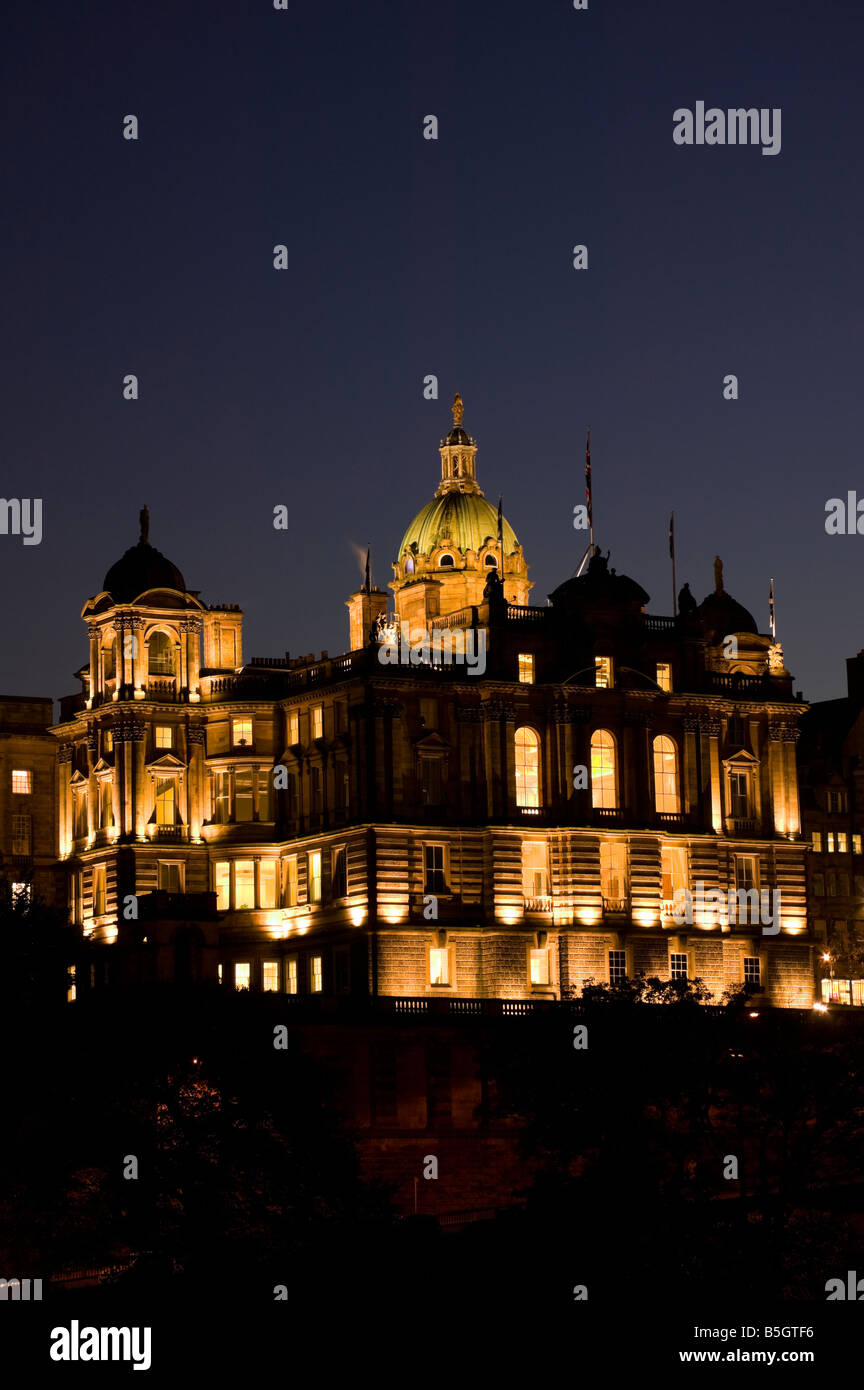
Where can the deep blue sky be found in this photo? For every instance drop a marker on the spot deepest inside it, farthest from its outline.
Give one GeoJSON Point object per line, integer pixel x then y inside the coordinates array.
{"type": "Point", "coordinates": [410, 257]}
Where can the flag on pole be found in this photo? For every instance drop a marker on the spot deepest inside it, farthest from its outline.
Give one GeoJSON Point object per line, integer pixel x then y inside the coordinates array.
{"type": "Point", "coordinates": [672, 537]}
{"type": "Point", "coordinates": [771, 617]}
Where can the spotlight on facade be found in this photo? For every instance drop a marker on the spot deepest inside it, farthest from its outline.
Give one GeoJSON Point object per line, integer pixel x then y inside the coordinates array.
{"type": "Point", "coordinates": [358, 916]}
{"type": "Point", "coordinates": [819, 1008]}
{"type": "Point", "coordinates": [755, 1014]}
{"type": "Point", "coordinates": [826, 956]}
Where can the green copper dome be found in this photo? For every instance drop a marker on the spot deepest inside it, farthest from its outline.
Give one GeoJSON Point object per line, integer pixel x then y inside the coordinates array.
{"type": "Point", "coordinates": [465, 518]}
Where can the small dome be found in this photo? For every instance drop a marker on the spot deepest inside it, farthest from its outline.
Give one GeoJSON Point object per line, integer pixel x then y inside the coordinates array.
{"type": "Point", "coordinates": [600, 585]}
{"type": "Point", "coordinates": [721, 614]}
{"type": "Point", "coordinates": [141, 568]}
{"type": "Point", "coordinates": [466, 519]}
{"type": "Point", "coordinates": [458, 436]}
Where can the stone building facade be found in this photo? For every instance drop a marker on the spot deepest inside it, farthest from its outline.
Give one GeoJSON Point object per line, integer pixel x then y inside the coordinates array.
{"type": "Point", "coordinates": [28, 799]}
{"type": "Point", "coordinates": [480, 799]}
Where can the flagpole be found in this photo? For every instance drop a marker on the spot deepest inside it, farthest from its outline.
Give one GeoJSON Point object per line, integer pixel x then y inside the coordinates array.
{"type": "Point", "coordinates": [589, 491]}
{"type": "Point", "coordinates": [672, 554]}
{"type": "Point", "coordinates": [772, 617]}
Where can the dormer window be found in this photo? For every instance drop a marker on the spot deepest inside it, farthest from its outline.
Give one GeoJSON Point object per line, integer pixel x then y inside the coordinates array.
{"type": "Point", "coordinates": [446, 562]}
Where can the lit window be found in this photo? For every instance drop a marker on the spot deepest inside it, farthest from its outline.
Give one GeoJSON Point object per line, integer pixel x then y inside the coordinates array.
{"type": "Point", "coordinates": [842, 842]}
{"type": "Point", "coordinates": [316, 974]}
{"type": "Point", "coordinates": [22, 783]}
{"type": "Point", "coordinates": [677, 965]}
{"type": "Point", "coordinates": [526, 668]}
{"type": "Point", "coordinates": [99, 890]}
{"type": "Point", "coordinates": [604, 793]}
{"type": "Point", "coordinates": [270, 975]}
{"type": "Point", "coordinates": [21, 834]}
{"type": "Point", "coordinates": [752, 970]}
{"type": "Point", "coordinates": [317, 713]}
{"type": "Point", "coordinates": [242, 975]}
{"type": "Point", "coordinates": [222, 884]}
{"type": "Point", "coordinates": [241, 733]}
{"type": "Point", "coordinates": [164, 736]}
{"type": "Point", "coordinates": [673, 872]}
{"type": "Point", "coordinates": [170, 876]}
{"type": "Point", "coordinates": [219, 971]}
{"type": "Point", "coordinates": [290, 881]}
{"type": "Point", "coordinates": [267, 883]}
{"type": "Point", "coordinates": [221, 797]}
{"type": "Point", "coordinates": [439, 966]}
{"type": "Point", "coordinates": [613, 874]}
{"type": "Point", "coordinates": [22, 891]}
{"type": "Point", "coordinates": [70, 984]}
{"type": "Point", "coordinates": [603, 672]}
{"type": "Point", "coordinates": [315, 876]}
{"type": "Point", "coordinates": [293, 728]}
{"type": "Point", "coordinates": [617, 967]}
{"type": "Point", "coordinates": [291, 977]}
{"type": "Point", "coordinates": [166, 804]}
{"type": "Point", "coordinates": [244, 883]}
{"type": "Point", "coordinates": [539, 967]}
{"type": "Point", "coordinates": [664, 675]}
{"type": "Point", "coordinates": [435, 878]}
{"type": "Point", "coordinates": [108, 741]}
{"type": "Point", "coordinates": [535, 873]}
{"type": "Point", "coordinates": [665, 776]}
{"type": "Point", "coordinates": [829, 841]}
{"type": "Point", "coordinates": [527, 768]}
{"type": "Point", "coordinates": [816, 840]}
{"type": "Point", "coordinates": [856, 844]}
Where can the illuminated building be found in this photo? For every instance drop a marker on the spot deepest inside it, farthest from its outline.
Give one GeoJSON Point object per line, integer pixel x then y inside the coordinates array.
{"type": "Point", "coordinates": [389, 822]}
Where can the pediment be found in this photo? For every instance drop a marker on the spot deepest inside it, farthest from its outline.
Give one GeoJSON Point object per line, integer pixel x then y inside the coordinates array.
{"type": "Point", "coordinates": [169, 762]}
{"type": "Point", "coordinates": [431, 744]}
{"type": "Point", "coordinates": [742, 759]}
{"type": "Point", "coordinates": [77, 779]}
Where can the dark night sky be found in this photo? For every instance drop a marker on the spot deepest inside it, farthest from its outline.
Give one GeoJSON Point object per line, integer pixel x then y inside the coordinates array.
{"type": "Point", "coordinates": [410, 257]}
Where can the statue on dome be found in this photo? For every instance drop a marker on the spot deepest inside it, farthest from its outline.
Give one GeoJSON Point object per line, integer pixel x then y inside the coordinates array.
{"type": "Point", "coordinates": [686, 602]}
{"type": "Point", "coordinates": [718, 575]}
{"type": "Point", "coordinates": [457, 409]}
{"type": "Point", "coordinates": [144, 519]}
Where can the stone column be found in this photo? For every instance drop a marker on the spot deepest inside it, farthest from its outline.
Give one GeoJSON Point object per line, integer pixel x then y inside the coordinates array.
{"type": "Point", "coordinates": [64, 758]}
{"type": "Point", "coordinates": [92, 785]}
{"type": "Point", "coordinates": [191, 630]}
{"type": "Point", "coordinates": [95, 680]}
{"type": "Point", "coordinates": [791, 734]}
{"type": "Point", "coordinates": [711, 765]}
{"type": "Point", "coordinates": [139, 732]}
{"type": "Point", "coordinates": [195, 778]}
{"type": "Point", "coordinates": [690, 798]}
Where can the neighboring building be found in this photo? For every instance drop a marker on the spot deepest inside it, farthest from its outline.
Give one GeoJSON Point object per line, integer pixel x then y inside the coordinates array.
{"type": "Point", "coordinates": [503, 819]}
{"type": "Point", "coordinates": [28, 799]}
{"type": "Point", "coordinates": [832, 796]}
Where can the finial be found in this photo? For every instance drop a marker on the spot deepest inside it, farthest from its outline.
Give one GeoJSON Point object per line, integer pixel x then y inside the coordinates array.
{"type": "Point", "coordinates": [144, 518]}
{"type": "Point", "coordinates": [458, 409]}
{"type": "Point", "coordinates": [718, 575]}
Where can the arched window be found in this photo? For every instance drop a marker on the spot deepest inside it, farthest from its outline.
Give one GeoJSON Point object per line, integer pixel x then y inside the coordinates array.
{"type": "Point", "coordinates": [109, 660]}
{"type": "Point", "coordinates": [604, 788]}
{"type": "Point", "coordinates": [666, 799]}
{"type": "Point", "coordinates": [527, 768]}
{"type": "Point", "coordinates": [491, 561]}
{"type": "Point", "coordinates": [409, 565]}
{"type": "Point", "coordinates": [445, 562]}
{"type": "Point", "coordinates": [161, 655]}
